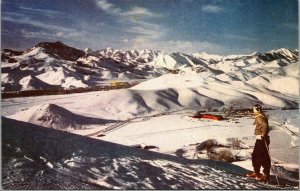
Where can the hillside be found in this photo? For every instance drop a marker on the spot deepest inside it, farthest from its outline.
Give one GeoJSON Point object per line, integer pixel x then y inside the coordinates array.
{"type": "Point", "coordinates": [39, 158]}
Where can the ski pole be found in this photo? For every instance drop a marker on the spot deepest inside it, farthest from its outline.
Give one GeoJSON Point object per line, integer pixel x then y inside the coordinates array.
{"type": "Point", "coordinates": [271, 163]}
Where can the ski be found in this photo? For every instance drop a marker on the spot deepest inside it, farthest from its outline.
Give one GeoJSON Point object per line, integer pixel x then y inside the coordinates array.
{"type": "Point", "coordinates": [284, 184]}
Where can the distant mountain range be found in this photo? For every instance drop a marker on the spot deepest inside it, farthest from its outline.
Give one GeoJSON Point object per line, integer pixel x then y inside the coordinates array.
{"type": "Point", "coordinates": [55, 65]}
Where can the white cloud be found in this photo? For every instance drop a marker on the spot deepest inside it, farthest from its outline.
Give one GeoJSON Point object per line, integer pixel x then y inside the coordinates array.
{"type": "Point", "coordinates": [212, 8]}
{"type": "Point", "coordinates": [142, 30]}
{"type": "Point", "coordinates": [177, 45]}
{"type": "Point", "coordinates": [13, 14]}
{"type": "Point", "coordinates": [104, 5]}
{"type": "Point", "coordinates": [108, 7]}
{"type": "Point", "coordinates": [29, 21]}
{"type": "Point", "coordinates": [53, 31]}
{"type": "Point", "coordinates": [140, 11]}
{"type": "Point", "coordinates": [30, 34]}
{"type": "Point", "coordinates": [238, 37]}
{"type": "Point", "coordinates": [291, 26]}
{"type": "Point", "coordinates": [47, 35]}
{"type": "Point", "coordinates": [40, 11]}
{"type": "Point", "coordinates": [71, 34]}
{"type": "Point", "coordinates": [193, 46]}
{"type": "Point", "coordinates": [60, 34]}
{"type": "Point", "coordinates": [134, 11]}
{"type": "Point", "coordinates": [150, 30]}
{"type": "Point", "coordinates": [139, 32]}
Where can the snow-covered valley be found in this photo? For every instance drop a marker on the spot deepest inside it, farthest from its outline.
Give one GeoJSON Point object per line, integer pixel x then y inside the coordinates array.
{"type": "Point", "coordinates": [144, 137]}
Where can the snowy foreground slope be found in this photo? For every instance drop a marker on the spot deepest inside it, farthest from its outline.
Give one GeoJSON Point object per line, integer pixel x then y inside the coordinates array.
{"type": "Point", "coordinates": [39, 158]}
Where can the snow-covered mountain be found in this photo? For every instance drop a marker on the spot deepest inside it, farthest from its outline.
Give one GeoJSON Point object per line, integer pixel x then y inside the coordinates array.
{"type": "Point", "coordinates": [55, 65]}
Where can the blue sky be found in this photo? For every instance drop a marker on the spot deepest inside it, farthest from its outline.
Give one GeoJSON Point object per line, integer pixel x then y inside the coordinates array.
{"type": "Point", "coordinates": [212, 26]}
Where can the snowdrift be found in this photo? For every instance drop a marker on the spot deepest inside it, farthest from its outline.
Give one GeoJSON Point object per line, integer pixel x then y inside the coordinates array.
{"type": "Point", "coordinates": [34, 157]}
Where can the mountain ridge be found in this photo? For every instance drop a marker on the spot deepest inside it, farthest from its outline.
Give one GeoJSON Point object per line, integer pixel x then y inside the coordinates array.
{"type": "Point", "coordinates": [47, 61]}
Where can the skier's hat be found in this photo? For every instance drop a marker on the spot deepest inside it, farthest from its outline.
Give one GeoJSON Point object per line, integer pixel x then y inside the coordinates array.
{"type": "Point", "coordinates": [257, 108]}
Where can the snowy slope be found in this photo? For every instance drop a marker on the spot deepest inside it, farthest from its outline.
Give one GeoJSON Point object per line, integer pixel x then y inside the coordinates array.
{"type": "Point", "coordinates": [33, 83]}
{"type": "Point", "coordinates": [39, 158]}
{"type": "Point", "coordinates": [53, 116]}
{"type": "Point", "coordinates": [173, 92]}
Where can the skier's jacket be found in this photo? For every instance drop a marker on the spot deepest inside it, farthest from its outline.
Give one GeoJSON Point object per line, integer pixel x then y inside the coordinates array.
{"type": "Point", "coordinates": [261, 124]}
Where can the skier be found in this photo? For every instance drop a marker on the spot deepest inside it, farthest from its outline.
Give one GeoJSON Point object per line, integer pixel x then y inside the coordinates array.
{"type": "Point", "coordinates": [260, 155]}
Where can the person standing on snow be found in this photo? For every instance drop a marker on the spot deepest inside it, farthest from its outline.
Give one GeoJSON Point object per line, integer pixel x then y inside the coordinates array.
{"type": "Point", "coordinates": [260, 155]}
